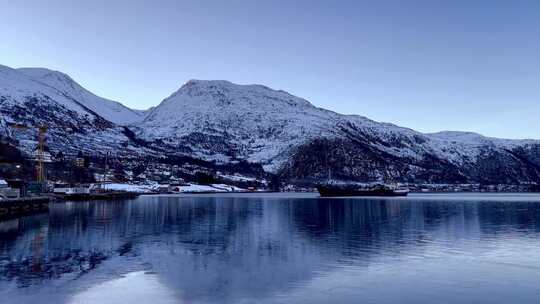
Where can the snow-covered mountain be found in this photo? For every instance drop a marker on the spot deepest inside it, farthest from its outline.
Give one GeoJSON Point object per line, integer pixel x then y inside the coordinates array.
{"type": "Point", "coordinates": [112, 111]}
{"type": "Point", "coordinates": [219, 120]}
{"type": "Point", "coordinates": [27, 101]}
{"type": "Point", "coordinates": [223, 121]}
{"type": "Point", "coordinates": [228, 123]}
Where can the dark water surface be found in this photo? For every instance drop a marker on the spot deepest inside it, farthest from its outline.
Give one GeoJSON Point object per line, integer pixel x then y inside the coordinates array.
{"type": "Point", "coordinates": [281, 248]}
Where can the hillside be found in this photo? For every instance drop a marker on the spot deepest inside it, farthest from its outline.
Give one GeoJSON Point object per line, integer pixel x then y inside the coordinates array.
{"type": "Point", "coordinates": [112, 111]}
{"type": "Point", "coordinates": [222, 121]}
{"type": "Point", "coordinates": [226, 124]}
{"type": "Point", "coordinates": [28, 102]}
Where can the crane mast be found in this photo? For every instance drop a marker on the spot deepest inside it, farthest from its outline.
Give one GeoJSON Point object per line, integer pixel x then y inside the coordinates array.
{"type": "Point", "coordinates": [42, 130]}
{"type": "Point", "coordinates": [40, 157]}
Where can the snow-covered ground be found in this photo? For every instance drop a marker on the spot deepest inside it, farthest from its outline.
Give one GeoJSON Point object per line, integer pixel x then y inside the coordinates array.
{"type": "Point", "coordinates": [189, 188]}
{"type": "Point", "coordinates": [194, 188]}
{"type": "Point", "coordinates": [228, 188]}
{"type": "Point", "coordinates": [240, 178]}
{"type": "Point", "coordinates": [200, 188]}
{"type": "Point", "coordinates": [130, 188]}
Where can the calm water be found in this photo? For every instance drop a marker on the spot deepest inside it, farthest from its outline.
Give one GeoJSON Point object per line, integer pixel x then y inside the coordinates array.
{"type": "Point", "coordinates": [276, 249]}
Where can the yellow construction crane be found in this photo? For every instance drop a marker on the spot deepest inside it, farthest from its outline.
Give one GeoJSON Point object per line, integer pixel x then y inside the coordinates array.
{"type": "Point", "coordinates": [40, 167]}
{"type": "Point", "coordinates": [42, 130]}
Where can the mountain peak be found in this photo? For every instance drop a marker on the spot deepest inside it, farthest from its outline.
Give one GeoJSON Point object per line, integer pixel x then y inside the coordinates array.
{"type": "Point", "coordinates": [228, 85]}
{"type": "Point", "coordinates": [200, 82]}
{"type": "Point", "coordinates": [220, 90]}
{"type": "Point", "coordinates": [43, 73]}
{"type": "Point", "coordinates": [67, 90]}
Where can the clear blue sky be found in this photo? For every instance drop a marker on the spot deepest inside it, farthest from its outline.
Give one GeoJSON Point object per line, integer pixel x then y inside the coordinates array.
{"type": "Point", "coordinates": [429, 65]}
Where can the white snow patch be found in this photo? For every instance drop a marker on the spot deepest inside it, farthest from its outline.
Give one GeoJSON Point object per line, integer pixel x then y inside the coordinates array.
{"type": "Point", "coordinates": [129, 188]}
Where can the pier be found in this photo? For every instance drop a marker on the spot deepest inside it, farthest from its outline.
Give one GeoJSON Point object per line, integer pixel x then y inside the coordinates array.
{"type": "Point", "coordinates": [12, 208]}
{"type": "Point", "coordinates": [115, 195]}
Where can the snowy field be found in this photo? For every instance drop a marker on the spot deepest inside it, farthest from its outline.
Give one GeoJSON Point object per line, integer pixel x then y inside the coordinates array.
{"type": "Point", "coordinates": [189, 188]}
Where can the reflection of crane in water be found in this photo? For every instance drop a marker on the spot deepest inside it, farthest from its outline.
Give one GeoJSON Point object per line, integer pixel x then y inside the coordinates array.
{"type": "Point", "coordinates": [40, 157]}
{"type": "Point", "coordinates": [37, 252]}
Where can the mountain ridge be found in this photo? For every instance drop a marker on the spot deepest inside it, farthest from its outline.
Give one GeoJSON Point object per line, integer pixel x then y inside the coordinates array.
{"type": "Point", "coordinates": [113, 111]}
{"type": "Point", "coordinates": [225, 123]}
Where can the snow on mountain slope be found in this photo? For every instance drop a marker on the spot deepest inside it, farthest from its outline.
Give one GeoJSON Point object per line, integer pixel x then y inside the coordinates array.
{"type": "Point", "coordinates": [27, 102]}
{"type": "Point", "coordinates": [256, 122]}
{"type": "Point", "coordinates": [456, 136]}
{"type": "Point", "coordinates": [233, 124]}
{"type": "Point", "coordinates": [219, 120]}
{"type": "Point", "coordinates": [263, 123]}
{"type": "Point", "coordinates": [4, 129]}
{"type": "Point", "coordinates": [14, 86]}
{"type": "Point", "coordinates": [111, 110]}
{"type": "Point", "coordinates": [253, 121]}
{"type": "Point", "coordinates": [475, 139]}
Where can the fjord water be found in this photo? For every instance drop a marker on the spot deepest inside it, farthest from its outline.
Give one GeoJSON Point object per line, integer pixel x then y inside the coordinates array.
{"type": "Point", "coordinates": [276, 248]}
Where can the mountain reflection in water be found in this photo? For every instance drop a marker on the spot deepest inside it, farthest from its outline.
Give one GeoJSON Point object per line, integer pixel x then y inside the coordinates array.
{"type": "Point", "coordinates": [275, 249]}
